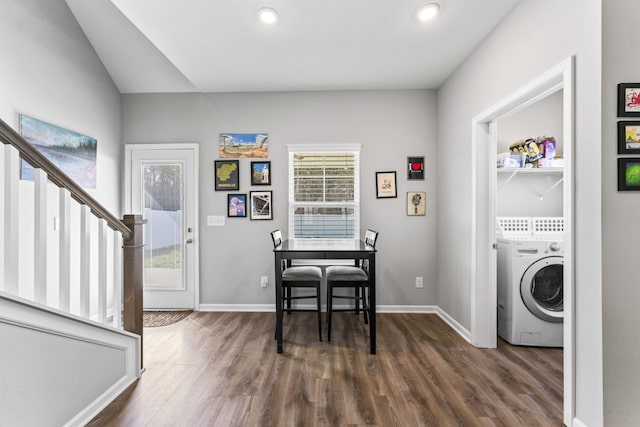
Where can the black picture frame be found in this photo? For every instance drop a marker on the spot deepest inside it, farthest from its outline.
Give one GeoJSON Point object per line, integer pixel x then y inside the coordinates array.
{"type": "Point", "coordinates": [625, 145]}
{"type": "Point", "coordinates": [629, 100]}
{"type": "Point", "coordinates": [236, 205]}
{"type": "Point", "coordinates": [629, 174]}
{"type": "Point", "coordinates": [261, 205]}
{"type": "Point", "coordinates": [260, 173]}
{"type": "Point", "coordinates": [226, 175]}
{"type": "Point", "coordinates": [386, 187]}
{"type": "Point", "coordinates": [415, 168]}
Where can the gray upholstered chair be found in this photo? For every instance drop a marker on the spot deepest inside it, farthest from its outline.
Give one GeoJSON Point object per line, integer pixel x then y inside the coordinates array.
{"type": "Point", "coordinates": [355, 277]}
{"type": "Point", "coordinates": [306, 276]}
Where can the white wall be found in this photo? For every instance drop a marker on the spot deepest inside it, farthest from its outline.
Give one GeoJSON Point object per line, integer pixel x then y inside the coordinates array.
{"type": "Point", "coordinates": [390, 125]}
{"type": "Point", "coordinates": [620, 292]}
{"type": "Point", "coordinates": [50, 72]}
{"type": "Point", "coordinates": [534, 37]}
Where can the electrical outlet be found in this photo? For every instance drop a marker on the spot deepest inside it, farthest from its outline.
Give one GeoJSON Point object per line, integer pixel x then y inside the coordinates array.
{"type": "Point", "coordinates": [419, 282]}
{"type": "Point", "coordinates": [264, 281]}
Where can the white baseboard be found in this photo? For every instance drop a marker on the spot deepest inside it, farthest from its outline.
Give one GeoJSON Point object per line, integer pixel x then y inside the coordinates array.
{"type": "Point", "coordinates": [87, 414]}
{"type": "Point", "coordinates": [577, 423]}
{"type": "Point", "coordinates": [242, 308]}
{"type": "Point", "coordinates": [464, 333]}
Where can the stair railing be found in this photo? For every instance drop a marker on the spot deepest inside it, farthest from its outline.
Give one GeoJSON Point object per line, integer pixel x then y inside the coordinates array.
{"type": "Point", "coordinates": [125, 258]}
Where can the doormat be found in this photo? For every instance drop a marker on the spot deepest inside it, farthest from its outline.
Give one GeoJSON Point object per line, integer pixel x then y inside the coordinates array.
{"type": "Point", "coordinates": [153, 319]}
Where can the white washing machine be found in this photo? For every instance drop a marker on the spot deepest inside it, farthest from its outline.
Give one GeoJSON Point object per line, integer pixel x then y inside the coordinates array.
{"type": "Point", "coordinates": [530, 291]}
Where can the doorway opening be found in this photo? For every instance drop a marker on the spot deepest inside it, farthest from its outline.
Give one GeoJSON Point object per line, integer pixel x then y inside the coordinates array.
{"type": "Point", "coordinates": [484, 323]}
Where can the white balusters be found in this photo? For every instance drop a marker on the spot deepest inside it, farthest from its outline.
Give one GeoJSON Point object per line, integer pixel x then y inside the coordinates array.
{"type": "Point", "coordinates": [117, 280]}
{"type": "Point", "coordinates": [11, 219]}
{"type": "Point", "coordinates": [40, 236]}
{"type": "Point", "coordinates": [85, 260]}
{"type": "Point", "coordinates": [64, 284]}
{"type": "Point", "coordinates": [102, 270]}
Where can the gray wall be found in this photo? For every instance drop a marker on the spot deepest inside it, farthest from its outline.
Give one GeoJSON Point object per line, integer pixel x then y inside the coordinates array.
{"type": "Point", "coordinates": [521, 195]}
{"type": "Point", "coordinates": [534, 37]}
{"type": "Point", "coordinates": [390, 125]}
{"type": "Point", "coordinates": [50, 72]}
{"type": "Point", "coordinates": [620, 291]}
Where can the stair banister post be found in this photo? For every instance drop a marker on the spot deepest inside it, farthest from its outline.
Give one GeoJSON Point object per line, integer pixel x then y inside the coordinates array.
{"type": "Point", "coordinates": [132, 269]}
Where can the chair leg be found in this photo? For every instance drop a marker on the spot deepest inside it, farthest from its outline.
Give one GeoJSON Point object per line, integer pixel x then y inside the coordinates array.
{"type": "Point", "coordinates": [365, 306]}
{"type": "Point", "coordinates": [329, 308]}
{"type": "Point", "coordinates": [318, 294]}
{"type": "Point", "coordinates": [356, 294]}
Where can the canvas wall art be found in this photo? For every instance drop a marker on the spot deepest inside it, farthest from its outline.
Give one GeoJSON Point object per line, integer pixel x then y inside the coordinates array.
{"type": "Point", "coordinates": [72, 152]}
{"type": "Point", "coordinates": [237, 145]}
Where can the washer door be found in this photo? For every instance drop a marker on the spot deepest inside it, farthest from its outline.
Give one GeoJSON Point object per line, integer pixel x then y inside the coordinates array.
{"type": "Point", "coordinates": [541, 289]}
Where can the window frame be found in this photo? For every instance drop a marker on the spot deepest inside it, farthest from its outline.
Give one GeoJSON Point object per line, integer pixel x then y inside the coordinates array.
{"type": "Point", "coordinates": [294, 149]}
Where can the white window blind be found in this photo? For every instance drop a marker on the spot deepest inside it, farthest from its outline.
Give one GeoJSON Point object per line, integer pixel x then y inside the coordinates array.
{"type": "Point", "coordinates": [324, 194]}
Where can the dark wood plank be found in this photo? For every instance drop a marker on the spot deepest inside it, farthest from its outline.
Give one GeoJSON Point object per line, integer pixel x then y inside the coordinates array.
{"type": "Point", "coordinates": [222, 369]}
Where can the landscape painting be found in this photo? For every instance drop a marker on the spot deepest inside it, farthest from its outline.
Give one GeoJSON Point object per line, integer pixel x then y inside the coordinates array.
{"type": "Point", "coordinates": [73, 153]}
{"type": "Point", "coordinates": [236, 145]}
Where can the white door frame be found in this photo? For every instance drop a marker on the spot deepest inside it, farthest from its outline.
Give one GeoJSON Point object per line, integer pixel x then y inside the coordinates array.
{"type": "Point", "coordinates": [196, 182]}
{"type": "Point", "coordinates": [484, 325]}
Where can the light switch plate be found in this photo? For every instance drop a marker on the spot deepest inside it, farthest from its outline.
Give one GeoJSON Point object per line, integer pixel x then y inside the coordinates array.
{"type": "Point", "coordinates": [215, 220]}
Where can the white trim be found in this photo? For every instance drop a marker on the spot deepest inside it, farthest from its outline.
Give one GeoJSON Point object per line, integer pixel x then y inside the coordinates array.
{"type": "Point", "coordinates": [240, 308]}
{"type": "Point", "coordinates": [453, 323]}
{"type": "Point", "coordinates": [94, 408]}
{"type": "Point", "coordinates": [576, 422]}
{"type": "Point", "coordinates": [483, 265]}
{"type": "Point", "coordinates": [312, 148]}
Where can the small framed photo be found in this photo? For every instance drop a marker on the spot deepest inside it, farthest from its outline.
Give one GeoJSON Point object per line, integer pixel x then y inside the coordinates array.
{"type": "Point", "coordinates": [416, 203]}
{"type": "Point", "coordinates": [236, 205]}
{"type": "Point", "coordinates": [261, 207]}
{"type": "Point", "coordinates": [227, 176]}
{"type": "Point", "coordinates": [628, 137]}
{"type": "Point", "coordinates": [629, 174]}
{"type": "Point", "coordinates": [415, 168]}
{"type": "Point", "coordinates": [628, 99]}
{"type": "Point", "coordinates": [260, 173]}
{"type": "Point", "coordinates": [386, 185]}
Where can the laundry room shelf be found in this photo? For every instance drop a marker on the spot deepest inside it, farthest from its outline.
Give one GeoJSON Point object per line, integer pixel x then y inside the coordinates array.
{"type": "Point", "coordinates": [512, 172]}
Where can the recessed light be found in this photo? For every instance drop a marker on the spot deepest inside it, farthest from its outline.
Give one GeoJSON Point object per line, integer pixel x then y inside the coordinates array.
{"type": "Point", "coordinates": [268, 15]}
{"type": "Point", "coordinates": [428, 12]}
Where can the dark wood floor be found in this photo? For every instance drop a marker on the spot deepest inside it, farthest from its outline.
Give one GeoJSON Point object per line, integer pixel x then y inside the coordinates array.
{"type": "Point", "coordinates": [222, 369]}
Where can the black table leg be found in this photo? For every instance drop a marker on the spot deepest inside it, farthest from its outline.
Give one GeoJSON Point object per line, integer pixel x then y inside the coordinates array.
{"type": "Point", "coordinates": [278, 271]}
{"type": "Point", "coordinates": [372, 301]}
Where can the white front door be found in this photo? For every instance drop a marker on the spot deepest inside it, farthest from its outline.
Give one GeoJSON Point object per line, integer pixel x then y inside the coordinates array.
{"type": "Point", "coordinates": [161, 181]}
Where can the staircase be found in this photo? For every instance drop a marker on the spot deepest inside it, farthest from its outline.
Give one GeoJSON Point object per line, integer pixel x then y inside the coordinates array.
{"type": "Point", "coordinates": [68, 270]}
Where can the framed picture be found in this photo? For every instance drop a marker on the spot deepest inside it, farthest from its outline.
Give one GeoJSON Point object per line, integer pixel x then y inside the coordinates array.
{"type": "Point", "coordinates": [415, 168]}
{"type": "Point", "coordinates": [74, 153]}
{"type": "Point", "coordinates": [386, 185]}
{"type": "Point", "coordinates": [628, 137]}
{"type": "Point", "coordinates": [628, 99]}
{"type": "Point", "coordinates": [260, 173]}
{"type": "Point", "coordinates": [227, 176]}
{"type": "Point", "coordinates": [261, 207]}
{"type": "Point", "coordinates": [236, 205]}
{"type": "Point", "coordinates": [416, 203]}
{"type": "Point", "coordinates": [244, 145]}
{"type": "Point", "coordinates": [629, 174]}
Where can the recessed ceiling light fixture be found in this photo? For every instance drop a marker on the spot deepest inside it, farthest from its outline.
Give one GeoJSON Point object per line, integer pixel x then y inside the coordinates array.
{"type": "Point", "coordinates": [428, 12]}
{"type": "Point", "coordinates": [268, 15]}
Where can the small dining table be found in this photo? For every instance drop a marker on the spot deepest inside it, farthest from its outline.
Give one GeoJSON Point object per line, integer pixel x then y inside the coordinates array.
{"type": "Point", "coordinates": [325, 249]}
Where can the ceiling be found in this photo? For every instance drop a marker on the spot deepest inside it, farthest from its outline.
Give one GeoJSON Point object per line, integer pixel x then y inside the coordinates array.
{"type": "Point", "coordinates": [150, 46]}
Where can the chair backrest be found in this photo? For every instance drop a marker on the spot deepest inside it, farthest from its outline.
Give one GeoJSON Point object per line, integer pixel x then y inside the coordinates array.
{"type": "Point", "coordinates": [276, 236]}
{"type": "Point", "coordinates": [370, 237]}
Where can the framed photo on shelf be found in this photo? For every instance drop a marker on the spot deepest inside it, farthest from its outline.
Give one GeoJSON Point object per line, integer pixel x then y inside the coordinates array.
{"type": "Point", "coordinates": [629, 174]}
{"type": "Point", "coordinates": [237, 205]}
{"type": "Point", "coordinates": [629, 100]}
{"type": "Point", "coordinates": [260, 173]}
{"type": "Point", "coordinates": [261, 207]}
{"type": "Point", "coordinates": [628, 137]}
{"type": "Point", "coordinates": [416, 203]}
{"type": "Point", "coordinates": [227, 175]}
{"type": "Point", "coordinates": [415, 168]}
{"type": "Point", "coordinates": [386, 185]}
